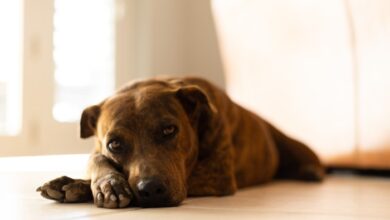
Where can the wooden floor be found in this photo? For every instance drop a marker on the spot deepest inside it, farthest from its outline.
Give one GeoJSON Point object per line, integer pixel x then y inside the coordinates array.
{"type": "Point", "coordinates": [339, 197]}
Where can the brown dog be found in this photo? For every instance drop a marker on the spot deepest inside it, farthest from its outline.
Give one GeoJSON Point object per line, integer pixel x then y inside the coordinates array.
{"type": "Point", "coordinates": [161, 140]}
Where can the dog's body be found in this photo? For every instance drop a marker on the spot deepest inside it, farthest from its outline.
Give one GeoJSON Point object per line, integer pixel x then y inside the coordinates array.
{"type": "Point", "coordinates": [161, 140]}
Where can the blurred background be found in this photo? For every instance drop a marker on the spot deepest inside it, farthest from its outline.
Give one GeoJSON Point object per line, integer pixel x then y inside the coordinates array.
{"type": "Point", "coordinates": [319, 70]}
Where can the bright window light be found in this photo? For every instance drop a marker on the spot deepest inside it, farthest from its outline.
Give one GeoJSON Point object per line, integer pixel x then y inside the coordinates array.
{"type": "Point", "coordinates": [10, 66]}
{"type": "Point", "coordinates": [83, 55]}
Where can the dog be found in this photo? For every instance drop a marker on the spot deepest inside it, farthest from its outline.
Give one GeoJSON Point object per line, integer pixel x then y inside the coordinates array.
{"type": "Point", "coordinates": [159, 141]}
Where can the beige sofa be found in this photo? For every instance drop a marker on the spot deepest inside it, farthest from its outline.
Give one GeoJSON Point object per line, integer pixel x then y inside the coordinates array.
{"type": "Point", "coordinates": [320, 70]}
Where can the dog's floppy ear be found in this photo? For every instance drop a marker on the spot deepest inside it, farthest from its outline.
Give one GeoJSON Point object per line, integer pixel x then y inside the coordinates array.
{"type": "Point", "coordinates": [195, 101]}
{"type": "Point", "coordinates": [88, 121]}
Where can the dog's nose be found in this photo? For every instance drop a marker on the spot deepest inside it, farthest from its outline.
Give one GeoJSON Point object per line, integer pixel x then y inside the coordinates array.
{"type": "Point", "coordinates": [152, 192]}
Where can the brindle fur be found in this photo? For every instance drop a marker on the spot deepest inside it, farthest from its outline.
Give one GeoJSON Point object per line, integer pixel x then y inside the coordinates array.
{"type": "Point", "coordinates": [220, 146]}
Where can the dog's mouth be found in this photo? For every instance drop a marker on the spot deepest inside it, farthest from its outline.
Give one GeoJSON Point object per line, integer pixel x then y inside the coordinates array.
{"type": "Point", "coordinates": [164, 202]}
{"type": "Point", "coordinates": [152, 202]}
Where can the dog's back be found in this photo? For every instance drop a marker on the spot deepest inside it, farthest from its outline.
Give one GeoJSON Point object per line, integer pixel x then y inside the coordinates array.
{"type": "Point", "coordinates": [261, 151]}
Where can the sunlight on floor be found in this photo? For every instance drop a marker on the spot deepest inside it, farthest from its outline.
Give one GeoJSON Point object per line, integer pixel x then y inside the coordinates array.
{"type": "Point", "coordinates": [339, 197]}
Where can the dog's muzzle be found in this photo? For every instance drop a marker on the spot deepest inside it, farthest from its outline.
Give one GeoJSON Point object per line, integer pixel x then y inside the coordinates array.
{"type": "Point", "coordinates": [152, 193]}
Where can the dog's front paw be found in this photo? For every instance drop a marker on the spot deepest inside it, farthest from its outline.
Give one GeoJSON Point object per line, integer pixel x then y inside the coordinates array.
{"type": "Point", "coordinates": [65, 189]}
{"type": "Point", "coordinates": [111, 191]}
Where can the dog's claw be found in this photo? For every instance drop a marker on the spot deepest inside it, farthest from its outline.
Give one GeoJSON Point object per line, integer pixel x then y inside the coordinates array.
{"type": "Point", "coordinates": [55, 194]}
{"type": "Point", "coordinates": [123, 201]}
{"type": "Point", "coordinates": [66, 187]}
{"type": "Point", "coordinates": [99, 196]}
{"type": "Point", "coordinates": [99, 199]}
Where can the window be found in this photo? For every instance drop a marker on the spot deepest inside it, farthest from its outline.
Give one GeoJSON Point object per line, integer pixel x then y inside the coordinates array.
{"type": "Point", "coordinates": [83, 55]}
{"type": "Point", "coordinates": [56, 58]}
{"type": "Point", "coordinates": [10, 66]}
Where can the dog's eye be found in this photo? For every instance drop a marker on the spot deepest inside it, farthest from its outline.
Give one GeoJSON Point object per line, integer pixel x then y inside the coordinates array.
{"type": "Point", "coordinates": [169, 130]}
{"type": "Point", "coordinates": [115, 146]}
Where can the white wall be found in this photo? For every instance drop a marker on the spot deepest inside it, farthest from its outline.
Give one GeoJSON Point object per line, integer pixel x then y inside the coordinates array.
{"type": "Point", "coordinates": [176, 37]}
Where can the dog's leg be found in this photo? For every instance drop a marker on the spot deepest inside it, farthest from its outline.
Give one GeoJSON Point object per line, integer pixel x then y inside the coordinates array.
{"type": "Point", "coordinates": [214, 175]}
{"type": "Point", "coordinates": [68, 190]}
{"type": "Point", "coordinates": [296, 160]}
{"type": "Point", "coordinates": [110, 188]}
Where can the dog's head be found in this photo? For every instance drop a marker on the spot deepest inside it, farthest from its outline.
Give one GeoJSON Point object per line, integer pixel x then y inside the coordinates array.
{"type": "Point", "coordinates": [150, 132]}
